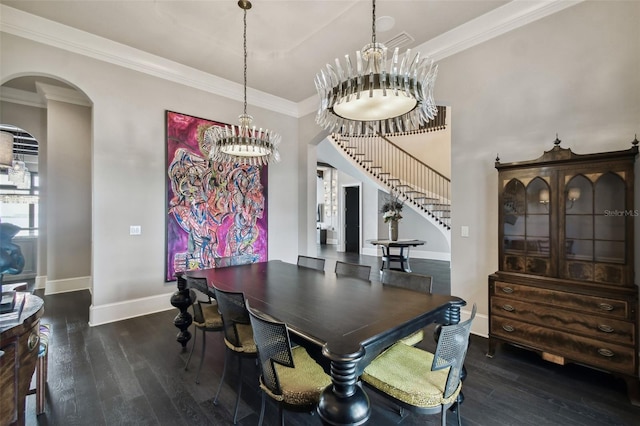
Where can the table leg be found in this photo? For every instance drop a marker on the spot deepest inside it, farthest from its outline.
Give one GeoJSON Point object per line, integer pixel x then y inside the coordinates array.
{"type": "Point", "coordinates": [181, 299]}
{"type": "Point", "coordinates": [344, 402]}
{"type": "Point", "coordinates": [385, 258]}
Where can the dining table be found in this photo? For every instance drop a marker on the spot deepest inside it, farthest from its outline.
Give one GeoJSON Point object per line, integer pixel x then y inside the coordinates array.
{"type": "Point", "coordinates": [344, 322]}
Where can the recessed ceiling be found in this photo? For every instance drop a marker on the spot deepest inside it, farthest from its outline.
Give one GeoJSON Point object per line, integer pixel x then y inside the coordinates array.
{"type": "Point", "coordinates": [288, 41]}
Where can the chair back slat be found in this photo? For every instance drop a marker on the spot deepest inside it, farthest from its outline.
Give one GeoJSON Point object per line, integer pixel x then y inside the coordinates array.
{"type": "Point", "coordinates": [311, 262]}
{"type": "Point", "coordinates": [232, 308]}
{"type": "Point", "coordinates": [451, 351]}
{"type": "Point", "coordinates": [354, 270]}
{"type": "Point", "coordinates": [274, 346]}
{"type": "Point", "coordinates": [410, 281]}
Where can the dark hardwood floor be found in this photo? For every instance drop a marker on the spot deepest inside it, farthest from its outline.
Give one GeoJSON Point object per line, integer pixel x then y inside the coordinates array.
{"type": "Point", "coordinates": [131, 373]}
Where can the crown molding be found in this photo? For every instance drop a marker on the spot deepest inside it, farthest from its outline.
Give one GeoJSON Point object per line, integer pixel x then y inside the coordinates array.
{"type": "Point", "coordinates": [501, 20]}
{"type": "Point", "coordinates": [22, 97]}
{"type": "Point", "coordinates": [35, 28]}
{"type": "Point", "coordinates": [62, 94]}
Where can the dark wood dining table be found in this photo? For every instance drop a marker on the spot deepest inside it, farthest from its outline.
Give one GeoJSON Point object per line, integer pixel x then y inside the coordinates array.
{"type": "Point", "coordinates": [349, 321]}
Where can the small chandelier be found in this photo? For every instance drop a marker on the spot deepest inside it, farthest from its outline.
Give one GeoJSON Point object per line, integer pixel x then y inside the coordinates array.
{"type": "Point", "coordinates": [377, 96]}
{"type": "Point", "coordinates": [243, 144]}
{"type": "Point", "coordinates": [19, 174]}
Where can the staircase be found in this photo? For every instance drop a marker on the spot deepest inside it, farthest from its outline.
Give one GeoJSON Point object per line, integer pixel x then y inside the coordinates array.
{"type": "Point", "coordinates": [404, 175]}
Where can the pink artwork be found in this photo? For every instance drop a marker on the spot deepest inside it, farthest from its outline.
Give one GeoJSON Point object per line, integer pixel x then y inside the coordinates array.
{"type": "Point", "coordinates": [216, 213]}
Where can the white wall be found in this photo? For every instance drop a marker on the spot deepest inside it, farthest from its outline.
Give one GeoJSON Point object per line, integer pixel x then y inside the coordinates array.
{"type": "Point", "coordinates": [128, 170]}
{"type": "Point", "coordinates": [574, 73]}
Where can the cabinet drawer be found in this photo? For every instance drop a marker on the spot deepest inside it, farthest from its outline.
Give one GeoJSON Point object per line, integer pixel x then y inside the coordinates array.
{"type": "Point", "coordinates": [589, 304]}
{"type": "Point", "coordinates": [593, 326]}
{"type": "Point", "coordinates": [609, 356]}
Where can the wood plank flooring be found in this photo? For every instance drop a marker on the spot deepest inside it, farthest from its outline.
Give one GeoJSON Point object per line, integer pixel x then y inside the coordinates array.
{"type": "Point", "coordinates": [132, 373]}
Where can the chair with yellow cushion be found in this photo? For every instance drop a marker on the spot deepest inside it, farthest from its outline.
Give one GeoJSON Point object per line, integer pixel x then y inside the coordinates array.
{"type": "Point", "coordinates": [238, 336]}
{"type": "Point", "coordinates": [289, 375]}
{"type": "Point", "coordinates": [206, 317]}
{"type": "Point", "coordinates": [420, 381]}
{"type": "Point", "coordinates": [410, 281]}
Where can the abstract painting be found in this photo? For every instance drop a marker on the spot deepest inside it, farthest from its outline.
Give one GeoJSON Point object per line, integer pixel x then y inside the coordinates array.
{"type": "Point", "coordinates": [216, 212]}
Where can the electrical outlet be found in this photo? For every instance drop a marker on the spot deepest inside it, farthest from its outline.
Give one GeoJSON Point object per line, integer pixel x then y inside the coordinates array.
{"type": "Point", "coordinates": [135, 230]}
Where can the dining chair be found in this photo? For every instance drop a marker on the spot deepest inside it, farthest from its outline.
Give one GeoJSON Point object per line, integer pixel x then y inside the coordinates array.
{"type": "Point", "coordinates": [288, 374]}
{"type": "Point", "coordinates": [238, 337]}
{"type": "Point", "coordinates": [419, 381]}
{"type": "Point", "coordinates": [206, 317]}
{"type": "Point", "coordinates": [311, 262]}
{"type": "Point", "coordinates": [355, 270]}
{"type": "Point", "coordinates": [410, 281]}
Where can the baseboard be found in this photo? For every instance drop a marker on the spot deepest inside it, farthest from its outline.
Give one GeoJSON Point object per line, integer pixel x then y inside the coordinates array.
{"type": "Point", "coordinates": [413, 254]}
{"type": "Point", "coordinates": [41, 282]}
{"type": "Point", "coordinates": [480, 324]}
{"type": "Point", "coordinates": [119, 311]}
{"type": "Point", "coordinates": [69, 284]}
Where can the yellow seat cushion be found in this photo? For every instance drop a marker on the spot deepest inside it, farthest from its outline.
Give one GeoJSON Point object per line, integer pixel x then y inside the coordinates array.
{"type": "Point", "coordinates": [404, 372]}
{"type": "Point", "coordinates": [247, 344]}
{"type": "Point", "coordinates": [212, 318]}
{"type": "Point", "coordinates": [301, 385]}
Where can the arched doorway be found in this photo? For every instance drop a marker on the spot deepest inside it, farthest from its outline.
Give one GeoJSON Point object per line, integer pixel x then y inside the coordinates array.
{"type": "Point", "coordinates": [57, 116]}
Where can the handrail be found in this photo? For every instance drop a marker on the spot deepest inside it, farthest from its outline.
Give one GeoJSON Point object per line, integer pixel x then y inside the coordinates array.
{"type": "Point", "coordinates": [419, 184]}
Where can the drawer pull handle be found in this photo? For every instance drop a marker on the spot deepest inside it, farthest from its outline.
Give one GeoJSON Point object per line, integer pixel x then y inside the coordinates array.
{"type": "Point", "coordinates": [32, 341]}
{"type": "Point", "coordinates": [508, 328]}
{"type": "Point", "coordinates": [605, 328]}
{"type": "Point", "coordinates": [605, 306]}
{"type": "Point", "coordinates": [606, 352]}
{"type": "Point", "coordinates": [508, 308]}
{"type": "Point", "coordinates": [508, 290]}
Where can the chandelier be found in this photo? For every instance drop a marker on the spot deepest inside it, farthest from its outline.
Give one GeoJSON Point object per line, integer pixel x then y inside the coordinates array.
{"type": "Point", "coordinates": [374, 95]}
{"type": "Point", "coordinates": [19, 174]}
{"type": "Point", "coordinates": [243, 144]}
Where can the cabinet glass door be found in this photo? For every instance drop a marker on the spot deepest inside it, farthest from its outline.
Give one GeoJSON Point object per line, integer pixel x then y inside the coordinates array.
{"type": "Point", "coordinates": [537, 227]}
{"type": "Point", "coordinates": [526, 226]}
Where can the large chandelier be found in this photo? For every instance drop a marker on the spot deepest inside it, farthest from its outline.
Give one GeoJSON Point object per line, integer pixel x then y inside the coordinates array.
{"type": "Point", "coordinates": [376, 96]}
{"type": "Point", "coordinates": [243, 144]}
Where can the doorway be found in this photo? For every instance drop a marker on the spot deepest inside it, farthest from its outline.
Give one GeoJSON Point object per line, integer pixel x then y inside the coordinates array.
{"type": "Point", "coordinates": [352, 219]}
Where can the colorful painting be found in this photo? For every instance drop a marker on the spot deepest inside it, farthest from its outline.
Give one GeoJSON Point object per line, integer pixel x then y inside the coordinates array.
{"type": "Point", "coordinates": [216, 213]}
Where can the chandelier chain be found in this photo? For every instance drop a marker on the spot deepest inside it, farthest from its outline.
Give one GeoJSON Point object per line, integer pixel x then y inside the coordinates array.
{"type": "Point", "coordinates": [244, 36]}
{"type": "Point", "coordinates": [373, 24]}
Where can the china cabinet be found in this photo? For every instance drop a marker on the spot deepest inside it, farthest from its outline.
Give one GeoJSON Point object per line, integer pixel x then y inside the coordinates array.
{"type": "Point", "coordinates": [565, 285]}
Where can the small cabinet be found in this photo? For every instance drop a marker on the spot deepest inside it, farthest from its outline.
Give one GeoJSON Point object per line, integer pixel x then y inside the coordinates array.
{"type": "Point", "coordinates": [565, 284]}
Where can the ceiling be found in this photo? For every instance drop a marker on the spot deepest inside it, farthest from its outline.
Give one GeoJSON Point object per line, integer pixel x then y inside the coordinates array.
{"type": "Point", "coordinates": [288, 41]}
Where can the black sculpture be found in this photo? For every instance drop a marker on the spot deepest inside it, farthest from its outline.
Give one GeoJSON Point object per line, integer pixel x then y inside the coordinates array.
{"type": "Point", "coordinates": [11, 262]}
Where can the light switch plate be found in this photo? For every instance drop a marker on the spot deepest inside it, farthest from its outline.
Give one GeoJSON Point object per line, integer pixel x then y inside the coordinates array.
{"type": "Point", "coordinates": [135, 230]}
{"type": "Point", "coordinates": [464, 231]}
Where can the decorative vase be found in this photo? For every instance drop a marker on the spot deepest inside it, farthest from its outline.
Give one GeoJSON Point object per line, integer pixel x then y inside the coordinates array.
{"type": "Point", "coordinates": [393, 230]}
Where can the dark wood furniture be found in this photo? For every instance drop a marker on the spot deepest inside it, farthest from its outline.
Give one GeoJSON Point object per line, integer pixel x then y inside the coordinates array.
{"type": "Point", "coordinates": [333, 317]}
{"type": "Point", "coordinates": [565, 285]}
{"type": "Point", "coordinates": [402, 257]}
{"type": "Point", "coordinates": [19, 344]}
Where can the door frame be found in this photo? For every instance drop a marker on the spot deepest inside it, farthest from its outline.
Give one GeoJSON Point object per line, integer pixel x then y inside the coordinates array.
{"type": "Point", "coordinates": [341, 216]}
